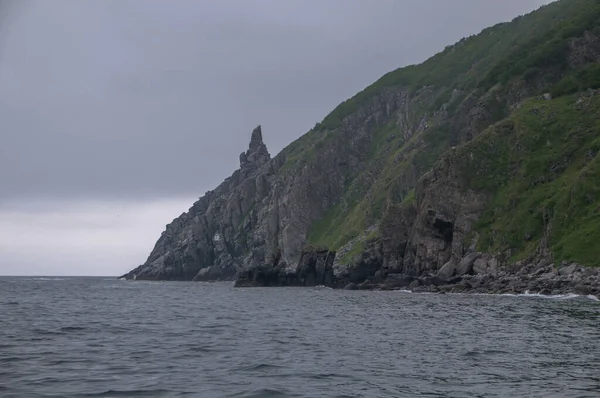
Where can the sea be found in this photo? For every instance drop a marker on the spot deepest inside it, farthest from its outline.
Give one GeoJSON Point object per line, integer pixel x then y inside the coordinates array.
{"type": "Point", "coordinates": [103, 337]}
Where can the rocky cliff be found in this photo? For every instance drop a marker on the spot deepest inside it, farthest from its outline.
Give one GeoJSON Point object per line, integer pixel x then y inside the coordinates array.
{"type": "Point", "coordinates": [210, 240]}
{"type": "Point", "coordinates": [425, 178]}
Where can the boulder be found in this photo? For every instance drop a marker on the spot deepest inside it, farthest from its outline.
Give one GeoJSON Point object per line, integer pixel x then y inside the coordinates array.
{"type": "Point", "coordinates": [480, 266]}
{"type": "Point", "coordinates": [466, 264]}
{"type": "Point", "coordinates": [569, 270]}
{"type": "Point", "coordinates": [435, 281]}
{"type": "Point", "coordinates": [414, 284]}
{"type": "Point", "coordinates": [366, 285]}
{"type": "Point", "coordinates": [582, 290]}
{"type": "Point", "coordinates": [399, 280]}
{"type": "Point", "coordinates": [448, 270]}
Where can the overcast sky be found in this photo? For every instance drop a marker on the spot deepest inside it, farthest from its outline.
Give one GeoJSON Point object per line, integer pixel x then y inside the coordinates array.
{"type": "Point", "coordinates": [115, 115]}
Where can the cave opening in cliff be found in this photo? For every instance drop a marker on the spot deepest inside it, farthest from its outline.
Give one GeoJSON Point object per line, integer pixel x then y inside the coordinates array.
{"type": "Point", "coordinates": [445, 229]}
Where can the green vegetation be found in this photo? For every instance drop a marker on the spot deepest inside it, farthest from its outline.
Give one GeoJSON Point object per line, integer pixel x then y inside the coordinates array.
{"type": "Point", "coordinates": [541, 170]}
{"type": "Point", "coordinates": [356, 249]}
{"type": "Point", "coordinates": [410, 199]}
{"type": "Point", "coordinates": [495, 55]}
{"type": "Point", "coordinates": [360, 245]}
{"type": "Point", "coordinates": [548, 49]}
{"type": "Point", "coordinates": [538, 164]}
{"type": "Point", "coordinates": [339, 227]}
{"type": "Point", "coordinates": [578, 80]}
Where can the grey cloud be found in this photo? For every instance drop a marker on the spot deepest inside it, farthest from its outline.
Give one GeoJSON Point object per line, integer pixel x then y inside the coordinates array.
{"type": "Point", "coordinates": [129, 98]}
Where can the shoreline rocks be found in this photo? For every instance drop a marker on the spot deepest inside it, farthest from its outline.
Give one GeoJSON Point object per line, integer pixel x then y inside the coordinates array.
{"type": "Point", "coordinates": [547, 280]}
{"type": "Point", "coordinates": [465, 276]}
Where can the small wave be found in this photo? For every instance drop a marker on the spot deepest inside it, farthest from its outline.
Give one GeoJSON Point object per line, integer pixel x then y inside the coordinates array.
{"type": "Point", "coordinates": [10, 359]}
{"type": "Point", "coordinates": [129, 393]}
{"type": "Point", "coordinates": [46, 332]}
{"type": "Point", "coordinates": [484, 352]}
{"type": "Point", "coordinates": [260, 366]}
{"type": "Point", "coordinates": [200, 349]}
{"type": "Point", "coordinates": [326, 376]}
{"type": "Point", "coordinates": [72, 329]}
{"type": "Point", "coordinates": [263, 393]}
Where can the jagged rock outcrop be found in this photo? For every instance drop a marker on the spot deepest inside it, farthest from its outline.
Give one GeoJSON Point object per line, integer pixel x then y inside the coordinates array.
{"type": "Point", "coordinates": [257, 153]}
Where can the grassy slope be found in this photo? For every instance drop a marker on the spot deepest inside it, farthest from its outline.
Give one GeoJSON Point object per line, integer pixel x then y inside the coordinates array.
{"type": "Point", "coordinates": [479, 63]}
{"type": "Point", "coordinates": [541, 168]}
{"type": "Point", "coordinates": [495, 55]}
{"type": "Point", "coordinates": [481, 59]}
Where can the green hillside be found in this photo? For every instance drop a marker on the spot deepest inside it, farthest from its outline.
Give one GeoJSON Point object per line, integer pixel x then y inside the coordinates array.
{"type": "Point", "coordinates": [529, 54]}
{"type": "Point", "coordinates": [495, 55]}
{"type": "Point", "coordinates": [541, 169]}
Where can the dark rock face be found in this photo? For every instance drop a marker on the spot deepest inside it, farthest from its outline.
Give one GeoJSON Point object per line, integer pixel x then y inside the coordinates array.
{"type": "Point", "coordinates": [315, 268]}
{"type": "Point", "coordinates": [395, 229]}
{"type": "Point", "coordinates": [446, 213]}
{"type": "Point", "coordinates": [264, 275]}
{"type": "Point", "coordinates": [584, 49]}
{"type": "Point", "coordinates": [369, 263]}
{"type": "Point", "coordinates": [394, 281]}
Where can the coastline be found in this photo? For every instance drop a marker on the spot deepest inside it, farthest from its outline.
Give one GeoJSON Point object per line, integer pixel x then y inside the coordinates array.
{"type": "Point", "coordinates": [544, 280]}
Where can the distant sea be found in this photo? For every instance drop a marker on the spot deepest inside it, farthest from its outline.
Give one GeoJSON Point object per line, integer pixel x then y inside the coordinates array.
{"type": "Point", "coordinates": [101, 337]}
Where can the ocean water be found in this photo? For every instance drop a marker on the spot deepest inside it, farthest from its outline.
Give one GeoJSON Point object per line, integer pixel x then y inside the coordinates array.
{"type": "Point", "coordinates": [100, 337]}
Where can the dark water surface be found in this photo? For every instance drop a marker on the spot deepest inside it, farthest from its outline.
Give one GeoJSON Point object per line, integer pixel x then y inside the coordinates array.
{"type": "Point", "coordinates": [95, 337]}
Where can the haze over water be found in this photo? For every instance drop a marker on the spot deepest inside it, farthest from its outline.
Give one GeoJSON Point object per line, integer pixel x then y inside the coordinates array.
{"type": "Point", "coordinates": [87, 337]}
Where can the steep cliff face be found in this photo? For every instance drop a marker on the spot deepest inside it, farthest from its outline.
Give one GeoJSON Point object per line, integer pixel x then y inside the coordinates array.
{"type": "Point", "coordinates": [384, 181]}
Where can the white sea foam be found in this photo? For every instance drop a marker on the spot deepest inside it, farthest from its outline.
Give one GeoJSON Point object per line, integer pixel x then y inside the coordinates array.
{"type": "Point", "coordinates": [46, 279]}
{"type": "Point", "coordinates": [568, 296]}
